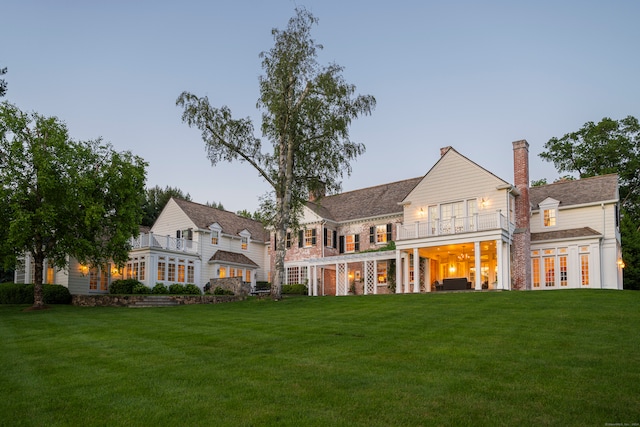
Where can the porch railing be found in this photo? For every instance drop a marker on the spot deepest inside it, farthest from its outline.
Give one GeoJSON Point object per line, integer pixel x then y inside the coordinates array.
{"type": "Point", "coordinates": [151, 240]}
{"type": "Point", "coordinates": [453, 225]}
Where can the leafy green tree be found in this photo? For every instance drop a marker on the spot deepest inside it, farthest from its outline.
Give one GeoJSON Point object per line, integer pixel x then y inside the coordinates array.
{"type": "Point", "coordinates": [3, 83]}
{"type": "Point", "coordinates": [610, 146]}
{"type": "Point", "coordinates": [251, 215]}
{"type": "Point", "coordinates": [539, 182]}
{"type": "Point", "coordinates": [62, 197]}
{"type": "Point", "coordinates": [307, 110]}
{"type": "Point", "coordinates": [155, 200]}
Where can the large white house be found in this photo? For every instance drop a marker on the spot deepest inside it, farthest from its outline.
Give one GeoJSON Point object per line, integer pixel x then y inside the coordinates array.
{"type": "Point", "coordinates": [477, 231]}
{"type": "Point", "coordinates": [424, 234]}
{"type": "Point", "coordinates": [188, 243]}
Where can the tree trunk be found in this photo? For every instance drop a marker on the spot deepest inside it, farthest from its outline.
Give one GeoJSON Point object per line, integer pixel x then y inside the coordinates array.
{"type": "Point", "coordinates": [38, 295]}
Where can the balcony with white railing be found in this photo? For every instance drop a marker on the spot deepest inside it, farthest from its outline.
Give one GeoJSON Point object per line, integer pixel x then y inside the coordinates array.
{"type": "Point", "coordinates": [156, 241]}
{"type": "Point", "coordinates": [453, 225]}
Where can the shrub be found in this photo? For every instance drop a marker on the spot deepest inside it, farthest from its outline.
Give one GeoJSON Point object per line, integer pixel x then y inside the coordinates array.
{"type": "Point", "coordinates": [297, 289]}
{"type": "Point", "coordinates": [176, 289]}
{"type": "Point", "coordinates": [263, 286]}
{"type": "Point", "coordinates": [191, 289]}
{"type": "Point", "coordinates": [56, 294]}
{"type": "Point", "coordinates": [160, 289]}
{"type": "Point", "coordinates": [219, 291]}
{"type": "Point", "coordinates": [140, 289]}
{"type": "Point", "coordinates": [123, 286]}
{"type": "Point", "coordinates": [17, 293]}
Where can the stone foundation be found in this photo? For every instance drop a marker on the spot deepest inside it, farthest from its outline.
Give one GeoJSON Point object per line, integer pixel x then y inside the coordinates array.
{"type": "Point", "coordinates": [126, 300]}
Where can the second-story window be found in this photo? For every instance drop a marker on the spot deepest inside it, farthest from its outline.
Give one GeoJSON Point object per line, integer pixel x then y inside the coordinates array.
{"type": "Point", "coordinates": [549, 217]}
{"type": "Point", "coordinates": [307, 238]}
{"type": "Point", "coordinates": [244, 243]}
{"type": "Point", "coordinates": [215, 235]}
{"type": "Point", "coordinates": [380, 234]}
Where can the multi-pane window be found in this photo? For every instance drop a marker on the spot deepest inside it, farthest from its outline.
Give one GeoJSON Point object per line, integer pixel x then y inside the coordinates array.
{"type": "Point", "coordinates": [309, 237]}
{"type": "Point", "coordinates": [288, 240]}
{"type": "Point", "coordinates": [584, 265]}
{"type": "Point", "coordinates": [244, 243]}
{"type": "Point", "coordinates": [181, 271]}
{"type": "Point", "coordinates": [136, 269]}
{"type": "Point", "coordinates": [535, 272]}
{"type": "Point", "coordinates": [50, 277]}
{"type": "Point", "coordinates": [549, 217]}
{"type": "Point", "coordinates": [328, 238]}
{"type": "Point", "coordinates": [190, 272]}
{"type": "Point", "coordinates": [162, 265]}
{"type": "Point", "coordinates": [382, 272]}
{"type": "Point", "coordinates": [104, 278]}
{"type": "Point", "coordinates": [296, 275]}
{"type": "Point", "coordinates": [381, 234]}
{"type": "Point", "coordinates": [549, 272]}
{"type": "Point", "coordinates": [350, 243]}
{"type": "Point", "coordinates": [223, 272]}
{"type": "Point", "coordinates": [171, 270]}
{"type": "Point", "coordinates": [215, 235]}
{"type": "Point", "coordinates": [247, 277]}
{"type": "Point", "coordinates": [562, 261]}
{"type": "Point", "coordinates": [232, 272]}
{"type": "Point", "coordinates": [93, 279]}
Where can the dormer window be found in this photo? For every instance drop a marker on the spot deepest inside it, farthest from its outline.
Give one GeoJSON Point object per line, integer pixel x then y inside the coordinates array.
{"type": "Point", "coordinates": [549, 217]}
{"type": "Point", "coordinates": [549, 212]}
{"type": "Point", "coordinates": [216, 231]}
{"type": "Point", "coordinates": [244, 240]}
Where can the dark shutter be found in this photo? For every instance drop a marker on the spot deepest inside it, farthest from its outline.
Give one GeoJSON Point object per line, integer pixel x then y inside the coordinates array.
{"type": "Point", "coordinates": [288, 241]}
{"type": "Point", "coordinates": [389, 228]}
{"type": "Point", "coordinates": [357, 242]}
{"type": "Point", "coordinates": [189, 234]}
{"type": "Point", "coordinates": [300, 237]}
{"type": "Point", "coordinates": [341, 244]}
{"type": "Point", "coordinates": [335, 239]}
{"type": "Point", "coordinates": [372, 234]}
{"type": "Point", "coordinates": [313, 237]}
{"type": "Point", "coordinates": [324, 239]}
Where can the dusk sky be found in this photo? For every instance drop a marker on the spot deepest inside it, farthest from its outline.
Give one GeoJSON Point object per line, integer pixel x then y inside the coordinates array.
{"type": "Point", "coordinates": [468, 74]}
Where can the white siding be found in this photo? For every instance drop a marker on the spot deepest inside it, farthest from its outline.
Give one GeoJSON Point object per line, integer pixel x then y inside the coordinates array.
{"type": "Point", "coordinates": [455, 178]}
{"type": "Point", "coordinates": [173, 218]}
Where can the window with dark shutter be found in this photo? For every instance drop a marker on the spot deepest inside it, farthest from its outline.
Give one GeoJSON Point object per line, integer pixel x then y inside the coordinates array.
{"type": "Point", "coordinates": [300, 238]}
{"type": "Point", "coordinates": [372, 234]}
{"type": "Point", "coordinates": [335, 239]}
{"type": "Point", "coordinates": [288, 242]}
{"type": "Point", "coordinates": [324, 238]}
{"type": "Point", "coordinates": [357, 242]}
{"type": "Point", "coordinates": [313, 237]}
{"type": "Point", "coordinates": [389, 229]}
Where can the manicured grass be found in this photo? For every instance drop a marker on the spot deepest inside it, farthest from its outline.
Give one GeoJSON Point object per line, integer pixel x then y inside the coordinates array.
{"type": "Point", "coordinates": [509, 358]}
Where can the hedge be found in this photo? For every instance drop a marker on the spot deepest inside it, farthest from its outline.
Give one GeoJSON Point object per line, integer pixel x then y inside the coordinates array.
{"type": "Point", "coordinates": [17, 293]}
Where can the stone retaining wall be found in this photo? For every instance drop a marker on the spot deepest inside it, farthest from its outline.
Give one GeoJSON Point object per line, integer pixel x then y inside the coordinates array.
{"type": "Point", "coordinates": [126, 300]}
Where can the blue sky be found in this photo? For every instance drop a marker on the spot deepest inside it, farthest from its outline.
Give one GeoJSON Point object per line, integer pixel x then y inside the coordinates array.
{"type": "Point", "coordinates": [469, 74]}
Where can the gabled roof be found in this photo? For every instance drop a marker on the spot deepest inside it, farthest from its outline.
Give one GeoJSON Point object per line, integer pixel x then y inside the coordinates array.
{"type": "Point", "coordinates": [572, 233]}
{"type": "Point", "coordinates": [581, 191]}
{"type": "Point", "coordinates": [233, 258]}
{"type": "Point", "coordinates": [232, 224]}
{"type": "Point", "coordinates": [380, 200]}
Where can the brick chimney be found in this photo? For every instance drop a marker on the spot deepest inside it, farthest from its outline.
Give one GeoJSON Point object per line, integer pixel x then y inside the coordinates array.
{"type": "Point", "coordinates": [521, 249]}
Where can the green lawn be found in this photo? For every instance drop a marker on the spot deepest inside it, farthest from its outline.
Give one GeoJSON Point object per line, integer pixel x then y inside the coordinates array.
{"type": "Point", "coordinates": [504, 358]}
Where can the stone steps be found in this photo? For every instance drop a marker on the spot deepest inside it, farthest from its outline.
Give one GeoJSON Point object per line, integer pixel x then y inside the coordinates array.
{"type": "Point", "coordinates": [154, 301]}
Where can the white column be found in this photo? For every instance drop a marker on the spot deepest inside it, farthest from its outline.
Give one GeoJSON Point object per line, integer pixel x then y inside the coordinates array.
{"type": "Point", "coordinates": [416, 271]}
{"type": "Point", "coordinates": [405, 271]}
{"type": "Point", "coordinates": [501, 279]}
{"type": "Point", "coordinates": [375, 277]}
{"type": "Point", "coordinates": [428, 278]}
{"type": "Point", "coordinates": [476, 257]}
{"type": "Point", "coordinates": [398, 271]}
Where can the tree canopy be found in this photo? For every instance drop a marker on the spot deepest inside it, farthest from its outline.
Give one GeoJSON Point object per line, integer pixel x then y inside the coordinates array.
{"type": "Point", "coordinates": [3, 83]}
{"type": "Point", "coordinates": [63, 197]}
{"type": "Point", "coordinates": [307, 110]}
{"type": "Point", "coordinates": [155, 199]}
{"type": "Point", "coordinates": [610, 146]}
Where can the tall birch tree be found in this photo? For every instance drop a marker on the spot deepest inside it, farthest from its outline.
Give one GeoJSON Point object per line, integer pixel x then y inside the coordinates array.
{"type": "Point", "coordinates": [307, 110]}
